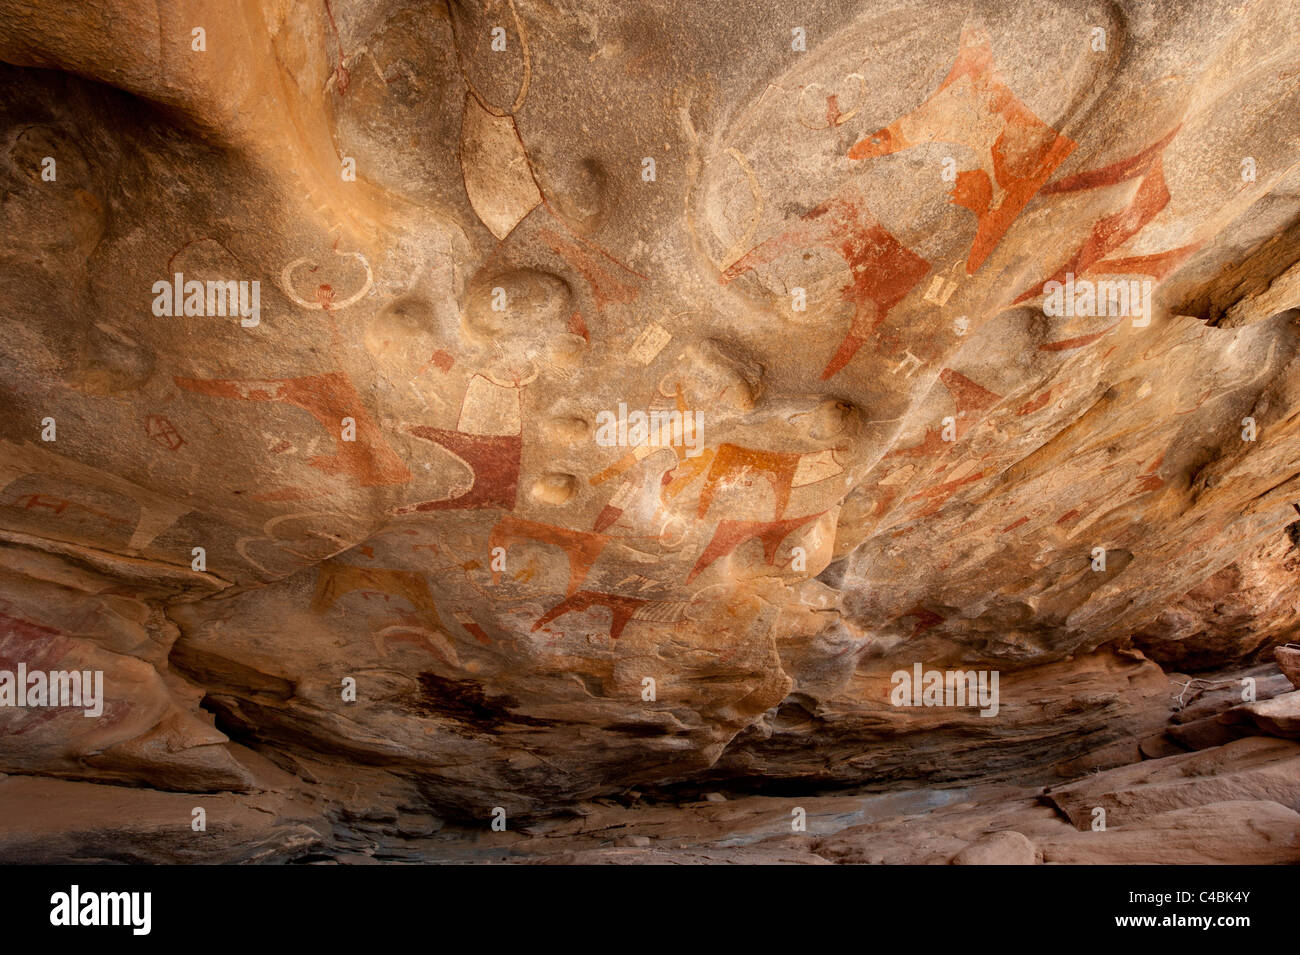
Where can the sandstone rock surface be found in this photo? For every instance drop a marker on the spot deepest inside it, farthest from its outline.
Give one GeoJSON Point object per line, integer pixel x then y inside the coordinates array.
{"type": "Point", "coordinates": [363, 561]}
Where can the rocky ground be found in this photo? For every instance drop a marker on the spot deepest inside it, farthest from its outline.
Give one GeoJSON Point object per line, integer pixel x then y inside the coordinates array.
{"type": "Point", "coordinates": [1219, 783]}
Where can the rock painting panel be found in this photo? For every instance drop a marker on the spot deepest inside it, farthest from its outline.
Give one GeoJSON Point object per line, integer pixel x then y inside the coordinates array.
{"type": "Point", "coordinates": [973, 107]}
{"type": "Point", "coordinates": [621, 609]}
{"type": "Point", "coordinates": [423, 629]}
{"type": "Point", "coordinates": [581, 547]}
{"type": "Point", "coordinates": [883, 270]}
{"type": "Point", "coordinates": [488, 441]}
{"type": "Point", "coordinates": [498, 177]}
{"type": "Point", "coordinates": [1112, 231]}
{"type": "Point", "coordinates": [731, 534]}
{"type": "Point", "coordinates": [328, 398]}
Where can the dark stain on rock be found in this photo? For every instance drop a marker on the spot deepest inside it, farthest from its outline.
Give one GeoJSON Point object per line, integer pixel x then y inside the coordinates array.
{"type": "Point", "coordinates": [638, 730]}
{"type": "Point", "coordinates": [466, 701]}
{"type": "Point", "coordinates": [1293, 530]}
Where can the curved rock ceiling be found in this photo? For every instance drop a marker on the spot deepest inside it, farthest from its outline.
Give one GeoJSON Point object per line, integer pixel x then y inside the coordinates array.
{"type": "Point", "coordinates": [966, 334]}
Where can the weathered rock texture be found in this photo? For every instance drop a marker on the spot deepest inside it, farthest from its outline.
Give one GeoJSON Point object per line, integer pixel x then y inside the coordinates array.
{"type": "Point", "coordinates": [821, 231]}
